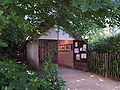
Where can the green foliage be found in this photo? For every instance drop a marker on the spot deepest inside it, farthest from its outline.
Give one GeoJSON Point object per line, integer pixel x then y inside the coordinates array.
{"type": "Point", "coordinates": [95, 4]}
{"type": "Point", "coordinates": [17, 77]}
{"type": "Point", "coordinates": [51, 80]}
{"type": "Point", "coordinates": [3, 44]}
{"type": "Point", "coordinates": [99, 67]}
{"type": "Point", "coordinates": [51, 75]}
{"type": "Point", "coordinates": [20, 19]}
{"type": "Point", "coordinates": [96, 65]}
{"type": "Point", "coordinates": [115, 67]}
{"type": "Point", "coordinates": [14, 76]}
{"type": "Point", "coordinates": [106, 44]}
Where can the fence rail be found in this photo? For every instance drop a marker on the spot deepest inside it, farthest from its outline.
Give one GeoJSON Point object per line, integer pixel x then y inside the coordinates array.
{"type": "Point", "coordinates": [106, 64]}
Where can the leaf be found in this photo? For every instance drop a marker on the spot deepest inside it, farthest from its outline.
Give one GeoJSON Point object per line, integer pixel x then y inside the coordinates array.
{"type": "Point", "coordinates": [5, 2]}
{"type": "Point", "coordinates": [3, 44]}
{"type": "Point", "coordinates": [94, 6]}
{"type": "Point", "coordinates": [118, 12]}
{"type": "Point", "coordinates": [85, 7]}
{"type": "Point", "coordinates": [75, 3]}
{"type": "Point", "coordinates": [1, 12]}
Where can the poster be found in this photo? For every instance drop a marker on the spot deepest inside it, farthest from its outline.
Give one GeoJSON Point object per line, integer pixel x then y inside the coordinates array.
{"type": "Point", "coordinates": [77, 56]}
{"type": "Point", "coordinates": [76, 44]}
{"type": "Point", "coordinates": [76, 50]}
{"type": "Point", "coordinates": [83, 55]}
{"type": "Point", "coordinates": [84, 47]}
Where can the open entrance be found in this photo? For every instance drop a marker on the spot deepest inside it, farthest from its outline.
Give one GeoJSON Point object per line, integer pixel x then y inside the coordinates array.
{"type": "Point", "coordinates": [48, 48]}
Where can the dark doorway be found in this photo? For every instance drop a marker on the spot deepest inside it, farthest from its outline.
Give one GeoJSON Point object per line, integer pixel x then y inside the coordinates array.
{"type": "Point", "coordinates": [48, 48]}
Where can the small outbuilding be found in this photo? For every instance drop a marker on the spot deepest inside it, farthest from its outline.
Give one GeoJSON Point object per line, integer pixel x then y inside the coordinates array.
{"type": "Point", "coordinates": [69, 51]}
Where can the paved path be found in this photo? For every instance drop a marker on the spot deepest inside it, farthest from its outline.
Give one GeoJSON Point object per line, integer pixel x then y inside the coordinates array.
{"type": "Point", "coordinates": [79, 80]}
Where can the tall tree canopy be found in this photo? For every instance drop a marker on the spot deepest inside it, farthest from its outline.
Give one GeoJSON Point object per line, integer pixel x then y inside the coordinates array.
{"type": "Point", "coordinates": [22, 18]}
{"type": "Point", "coordinates": [71, 14]}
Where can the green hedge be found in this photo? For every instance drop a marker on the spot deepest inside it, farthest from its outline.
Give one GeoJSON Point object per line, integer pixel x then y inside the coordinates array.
{"type": "Point", "coordinates": [106, 44]}
{"type": "Point", "coordinates": [17, 77]}
{"type": "Point", "coordinates": [99, 67]}
{"type": "Point", "coordinates": [96, 65]}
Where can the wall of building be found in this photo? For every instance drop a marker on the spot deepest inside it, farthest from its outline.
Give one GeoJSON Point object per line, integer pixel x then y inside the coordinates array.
{"type": "Point", "coordinates": [65, 58]}
{"type": "Point", "coordinates": [32, 55]}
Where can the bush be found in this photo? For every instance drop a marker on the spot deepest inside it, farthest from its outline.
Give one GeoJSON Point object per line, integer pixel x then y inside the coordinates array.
{"type": "Point", "coordinates": [17, 77]}
{"type": "Point", "coordinates": [115, 67]}
{"type": "Point", "coordinates": [50, 79]}
{"type": "Point", "coordinates": [14, 76]}
{"type": "Point", "coordinates": [99, 66]}
{"type": "Point", "coordinates": [108, 44]}
{"type": "Point", "coordinates": [96, 65]}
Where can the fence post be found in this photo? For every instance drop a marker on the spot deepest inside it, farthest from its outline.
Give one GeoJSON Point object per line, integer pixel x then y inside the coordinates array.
{"type": "Point", "coordinates": [106, 64]}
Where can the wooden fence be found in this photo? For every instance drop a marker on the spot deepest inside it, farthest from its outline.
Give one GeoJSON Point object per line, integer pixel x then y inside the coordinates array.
{"type": "Point", "coordinates": [106, 64]}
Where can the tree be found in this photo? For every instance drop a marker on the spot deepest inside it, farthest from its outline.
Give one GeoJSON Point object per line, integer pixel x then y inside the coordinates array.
{"type": "Point", "coordinates": [22, 18]}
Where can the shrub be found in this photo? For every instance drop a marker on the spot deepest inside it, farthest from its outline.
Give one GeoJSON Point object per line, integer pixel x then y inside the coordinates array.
{"type": "Point", "coordinates": [50, 79]}
{"type": "Point", "coordinates": [17, 77]}
{"type": "Point", "coordinates": [96, 65]}
{"type": "Point", "coordinates": [115, 67]}
{"type": "Point", "coordinates": [106, 44]}
{"type": "Point", "coordinates": [14, 76]}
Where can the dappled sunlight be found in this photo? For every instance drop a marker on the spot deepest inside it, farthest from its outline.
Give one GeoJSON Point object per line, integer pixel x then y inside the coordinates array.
{"type": "Point", "coordinates": [78, 80]}
{"type": "Point", "coordinates": [68, 89]}
{"type": "Point", "coordinates": [92, 76]}
{"type": "Point", "coordinates": [72, 89]}
{"type": "Point", "coordinates": [117, 86]}
{"type": "Point", "coordinates": [76, 89]}
{"type": "Point", "coordinates": [88, 81]}
{"type": "Point", "coordinates": [100, 79]}
{"type": "Point", "coordinates": [82, 79]}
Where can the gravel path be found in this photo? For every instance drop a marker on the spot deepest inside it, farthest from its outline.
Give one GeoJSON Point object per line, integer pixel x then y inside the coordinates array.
{"type": "Point", "coordinates": [79, 80]}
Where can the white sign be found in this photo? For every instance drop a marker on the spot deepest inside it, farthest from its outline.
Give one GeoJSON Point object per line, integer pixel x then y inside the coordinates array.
{"type": "Point", "coordinates": [84, 47]}
{"type": "Point", "coordinates": [83, 55]}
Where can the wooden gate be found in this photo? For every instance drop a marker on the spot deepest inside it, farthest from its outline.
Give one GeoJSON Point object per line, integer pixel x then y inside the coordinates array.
{"type": "Point", "coordinates": [48, 48]}
{"type": "Point", "coordinates": [80, 54]}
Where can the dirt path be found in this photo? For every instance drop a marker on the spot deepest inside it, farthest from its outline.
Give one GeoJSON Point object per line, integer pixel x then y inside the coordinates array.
{"type": "Point", "coordinates": [79, 80]}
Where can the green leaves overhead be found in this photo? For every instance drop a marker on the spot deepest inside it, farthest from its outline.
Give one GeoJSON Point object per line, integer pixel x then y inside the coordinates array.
{"type": "Point", "coordinates": [51, 12]}
{"type": "Point", "coordinates": [29, 17]}
{"type": "Point", "coordinates": [86, 5]}
{"type": "Point", "coordinates": [94, 6]}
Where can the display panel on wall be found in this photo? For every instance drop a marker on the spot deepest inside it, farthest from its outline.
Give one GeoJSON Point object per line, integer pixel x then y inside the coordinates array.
{"type": "Point", "coordinates": [84, 47]}
{"type": "Point", "coordinates": [65, 48]}
{"type": "Point", "coordinates": [77, 56]}
{"type": "Point", "coordinates": [80, 50]}
{"type": "Point", "coordinates": [76, 50]}
{"type": "Point", "coordinates": [83, 56]}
